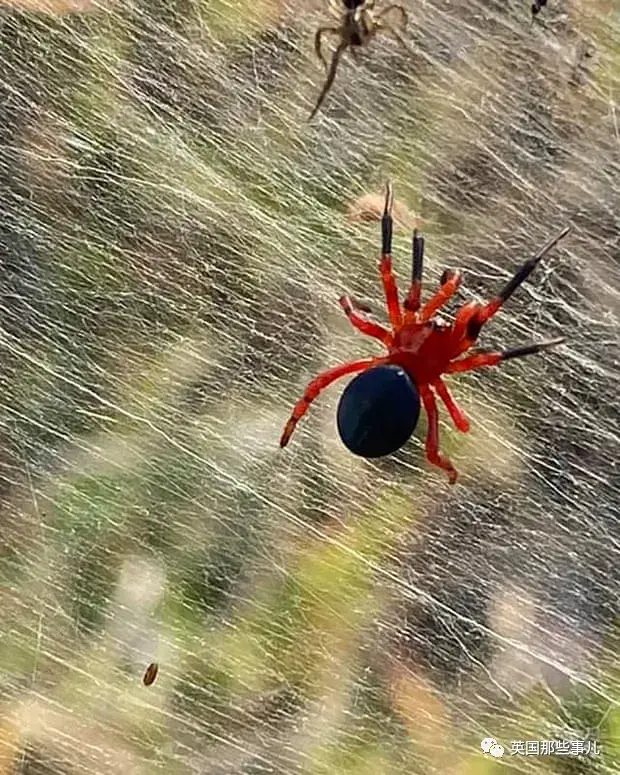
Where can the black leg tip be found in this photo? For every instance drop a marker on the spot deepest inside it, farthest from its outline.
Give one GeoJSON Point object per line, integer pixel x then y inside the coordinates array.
{"type": "Point", "coordinates": [386, 222]}
{"type": "Point", "coordinates": [389, 199]}
{"type": "Point", "coordinates": [418, 257]}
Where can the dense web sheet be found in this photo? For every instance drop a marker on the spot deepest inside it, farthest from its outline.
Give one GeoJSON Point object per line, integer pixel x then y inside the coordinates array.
{"type": "Point", "coordinates": [174, 239]}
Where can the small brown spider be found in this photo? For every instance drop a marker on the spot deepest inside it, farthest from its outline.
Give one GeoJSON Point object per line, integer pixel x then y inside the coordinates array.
{"type": "Point", "coordinates": [358, 26]}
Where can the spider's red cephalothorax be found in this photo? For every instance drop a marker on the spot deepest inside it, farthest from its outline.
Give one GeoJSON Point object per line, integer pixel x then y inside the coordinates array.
{"type": "Point", "coordinates": [422, 345]}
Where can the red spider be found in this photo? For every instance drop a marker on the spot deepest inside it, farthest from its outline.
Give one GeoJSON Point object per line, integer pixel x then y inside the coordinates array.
{"type": "Point", "coordinates": [422, 345]}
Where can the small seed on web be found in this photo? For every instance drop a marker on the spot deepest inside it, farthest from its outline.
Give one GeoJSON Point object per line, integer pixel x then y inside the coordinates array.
{"type": "Point", "coordinates": [150, 674]}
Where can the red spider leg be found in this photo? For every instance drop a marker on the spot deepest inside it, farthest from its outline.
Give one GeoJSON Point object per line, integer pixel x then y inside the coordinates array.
{"type": "Point", "coordinates": [454, 410]}
{"type": "Point", "coordinates": [432, 435]}
{"type": "Point", "coordinates": [318, 384]}
{"type": "Point", "coordinates": [449, 284]}
{"type": "Point", "coordinates": [385, 266]}
{"type": "Point", "coordinates": [368, 327]}
{"type": "Point", "coordinates": [478, 360]}
{"type": "Point", "coordinates": [412, 302]}
{"type": "Point", "coordinates": [491, 307]}
{"type": "Point", "coordinates": [472, 316]}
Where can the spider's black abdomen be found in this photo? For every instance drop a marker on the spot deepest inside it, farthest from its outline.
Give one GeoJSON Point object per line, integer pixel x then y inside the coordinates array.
{"type": "Point", "coordinates": [351, 5]}
{"type": "Point", "coordinates": [356, 39]}
{"type": "Point", "coordinates": [378, 411]}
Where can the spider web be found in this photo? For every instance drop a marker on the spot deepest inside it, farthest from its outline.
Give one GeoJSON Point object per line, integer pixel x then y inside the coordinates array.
{"type": "Point", "coordinates": [174, 239]}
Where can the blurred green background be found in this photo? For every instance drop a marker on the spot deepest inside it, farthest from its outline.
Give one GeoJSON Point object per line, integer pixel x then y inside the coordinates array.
{"type": "Point", "coordinates": [174, 240]}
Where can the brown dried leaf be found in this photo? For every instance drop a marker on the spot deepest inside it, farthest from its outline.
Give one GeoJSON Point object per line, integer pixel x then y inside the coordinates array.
{"type": "Point", "coordinates": [369, 208]}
